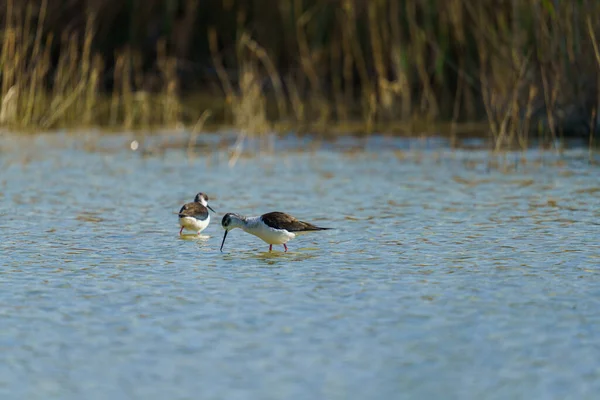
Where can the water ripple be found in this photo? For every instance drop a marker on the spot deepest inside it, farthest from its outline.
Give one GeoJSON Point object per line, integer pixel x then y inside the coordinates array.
{"type": "Point", "coordinates": [445, 277]}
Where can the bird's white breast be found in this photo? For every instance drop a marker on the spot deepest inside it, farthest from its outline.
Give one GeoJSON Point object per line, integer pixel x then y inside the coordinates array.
{"type": "Point", "coordinates": [258, 228]}
{"type": "Point", "coordinates": [194, 224]}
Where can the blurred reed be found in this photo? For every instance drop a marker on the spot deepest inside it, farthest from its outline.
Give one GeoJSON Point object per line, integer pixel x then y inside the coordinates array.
{"type": "Point", "coordinates": [520, 68]}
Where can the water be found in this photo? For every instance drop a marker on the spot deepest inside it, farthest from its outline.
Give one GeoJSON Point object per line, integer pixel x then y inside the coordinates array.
{"type": "Point", "coordinates": [446, 276]}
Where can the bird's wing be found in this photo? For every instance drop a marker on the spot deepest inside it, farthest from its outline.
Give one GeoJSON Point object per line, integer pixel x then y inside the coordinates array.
{"type": "Point", "coordinates": [195, 210]}
{"type": "Point", "coordinates": [279, 220]}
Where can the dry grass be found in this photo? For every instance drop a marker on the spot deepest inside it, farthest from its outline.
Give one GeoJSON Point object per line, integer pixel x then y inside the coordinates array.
{"type": "Point", "coordinates": [38, 93]}
{"type": "Point", "coordinates": [523, 67]}
{"type": "Point", "coordinates": [528, 69]}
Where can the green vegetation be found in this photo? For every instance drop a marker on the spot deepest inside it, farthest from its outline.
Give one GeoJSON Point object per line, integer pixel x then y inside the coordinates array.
{"type": "Point", "coordinates": [519, 66]}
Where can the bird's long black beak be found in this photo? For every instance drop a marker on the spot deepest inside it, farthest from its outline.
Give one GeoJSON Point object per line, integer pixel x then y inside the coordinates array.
{"type": "Point", "coordinates": [210, 208]}
{"type": "Point", "coordinates": [223, 242]}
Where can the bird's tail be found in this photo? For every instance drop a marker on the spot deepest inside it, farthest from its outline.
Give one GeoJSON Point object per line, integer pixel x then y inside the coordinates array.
{"type": "Point", "coordinates": [310, 227]}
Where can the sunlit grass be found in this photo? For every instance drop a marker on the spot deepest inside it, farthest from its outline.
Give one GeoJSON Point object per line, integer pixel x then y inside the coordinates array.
{"type": "Point", "coordinates": [512, 71]}
{"type": "Point", "coordinates": [39, 94]}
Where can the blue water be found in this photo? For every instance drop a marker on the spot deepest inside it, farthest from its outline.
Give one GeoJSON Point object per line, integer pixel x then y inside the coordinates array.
{"type": "Point", "coordinates": [450, 273]}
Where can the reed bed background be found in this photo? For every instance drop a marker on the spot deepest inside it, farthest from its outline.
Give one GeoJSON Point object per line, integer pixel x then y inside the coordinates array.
{"type": "Point", "coordinates": [511, 68]}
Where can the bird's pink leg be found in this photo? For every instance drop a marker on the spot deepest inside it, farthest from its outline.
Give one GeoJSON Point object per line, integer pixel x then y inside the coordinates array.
{"type": "Point", "coordinates": [285, 247]}
{"type": "Point", "coordinates": [181, 230]}
{"type": "Point", "coordinates": [270, 247]}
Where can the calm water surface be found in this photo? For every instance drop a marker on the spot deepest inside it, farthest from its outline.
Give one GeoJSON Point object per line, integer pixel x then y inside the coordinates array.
{"type": "Point", "coordinates": [446, 276]}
